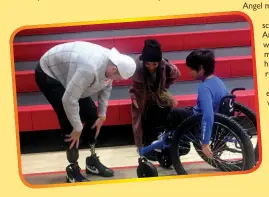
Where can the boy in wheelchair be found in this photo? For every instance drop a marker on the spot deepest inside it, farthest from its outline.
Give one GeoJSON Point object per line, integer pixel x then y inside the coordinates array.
{"type": "Point", "coordinates": [211, 90]}
{"type": "Point", "coordinates": [213, 98]}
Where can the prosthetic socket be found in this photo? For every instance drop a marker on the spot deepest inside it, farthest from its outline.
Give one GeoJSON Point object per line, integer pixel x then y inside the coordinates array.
{"type": "Point", "coordinates": [73, 154]}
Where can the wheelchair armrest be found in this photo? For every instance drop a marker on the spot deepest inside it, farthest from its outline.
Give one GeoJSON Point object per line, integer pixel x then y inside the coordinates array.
{"type": "Point", "coordinates": [231, 96]}
{"type": "Point", "coordinates": [237, 89]}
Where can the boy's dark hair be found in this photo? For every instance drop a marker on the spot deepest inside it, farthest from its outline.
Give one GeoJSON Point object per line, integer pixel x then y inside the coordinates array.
{"type": "Point", "coordinates": [204, 58]}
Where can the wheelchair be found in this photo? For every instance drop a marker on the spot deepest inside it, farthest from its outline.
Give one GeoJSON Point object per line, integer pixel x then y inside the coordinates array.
{"type": "Point", "coordinates": [242, 112]}
{"type": "Point", "coordinates": [172, 144]}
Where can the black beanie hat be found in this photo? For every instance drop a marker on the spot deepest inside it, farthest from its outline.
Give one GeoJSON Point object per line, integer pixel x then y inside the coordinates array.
{"type": "Point", "coordinates": [152, 51]}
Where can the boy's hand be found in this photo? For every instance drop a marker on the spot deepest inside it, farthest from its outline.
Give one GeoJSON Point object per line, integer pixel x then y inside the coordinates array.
{"type": "Point", "coordinates": [207, 151]}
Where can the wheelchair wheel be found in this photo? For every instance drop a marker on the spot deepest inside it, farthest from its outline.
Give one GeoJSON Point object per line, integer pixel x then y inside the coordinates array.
{"type": "Point", "coordinates": [187, 132]}
{"type": "Point", "coordinates": [249, 122]}
{"type": "Point", "coordinates": [164, 158]}
{"type": "Point", "coordinates": [146, 169]}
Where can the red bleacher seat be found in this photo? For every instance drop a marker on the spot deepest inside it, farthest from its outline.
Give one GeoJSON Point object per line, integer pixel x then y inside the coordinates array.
{"type": "Point", "coordinates": [35, 117]}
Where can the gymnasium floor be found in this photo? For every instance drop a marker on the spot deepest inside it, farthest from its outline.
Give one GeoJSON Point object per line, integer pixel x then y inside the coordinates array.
{"type": "Point", "coordinates": [49, 167]}
{"type": "Point", "coordinates": [122, 159]}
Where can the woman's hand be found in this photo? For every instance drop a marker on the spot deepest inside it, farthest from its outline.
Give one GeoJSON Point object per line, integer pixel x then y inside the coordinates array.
{"type": "Point", "coordinates": [135, 103]}
{"type": "Point", "coordinates": [175, 103]}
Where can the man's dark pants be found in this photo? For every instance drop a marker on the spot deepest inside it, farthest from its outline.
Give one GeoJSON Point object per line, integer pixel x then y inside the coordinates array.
{"type": "Point", "coordinates": [54, 91]}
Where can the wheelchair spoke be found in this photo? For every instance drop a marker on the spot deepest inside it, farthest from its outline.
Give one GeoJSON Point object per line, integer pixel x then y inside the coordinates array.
{"type": "Point", "coordinates": [220, 148]}
{"type": "Point", "coordinates": [181, 145]}
{"type": "Point", "coordinates": [233, 150]}
{"type": "Point", "coordinates": [226, 166]}
{"type": "Point", "coordinates": [247, 122]}
{"type": "Point", "coordinates": [215, 138]}
{"type": "Point", "coordinates": [195, 142]}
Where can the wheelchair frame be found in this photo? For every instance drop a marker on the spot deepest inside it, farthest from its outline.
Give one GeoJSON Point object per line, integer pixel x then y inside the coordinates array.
{"type": "Point", "coordinates": [161, 142]}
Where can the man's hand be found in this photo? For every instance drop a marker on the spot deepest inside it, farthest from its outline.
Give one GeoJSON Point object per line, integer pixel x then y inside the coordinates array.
{"type": "Point", "coordinates": [74, 137]}
{"type": "Point", "coordinates": [98, 124]}
{"type": "Point", "coordinates": [207, 151]}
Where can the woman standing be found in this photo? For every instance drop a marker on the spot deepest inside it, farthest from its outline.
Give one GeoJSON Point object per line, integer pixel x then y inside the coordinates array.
{"type": "Point", "coordinates": [151, 101]}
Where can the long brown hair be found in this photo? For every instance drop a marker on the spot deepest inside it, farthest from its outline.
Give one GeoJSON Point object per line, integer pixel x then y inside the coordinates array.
{"type": "Point", "coordinates": [159, 94]}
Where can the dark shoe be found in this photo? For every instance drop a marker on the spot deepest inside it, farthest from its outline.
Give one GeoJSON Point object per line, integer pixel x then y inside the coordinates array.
{"type": "Point", "coordinates": [73, 174]}
{"type": "Point", "coordinates": [95, 167]}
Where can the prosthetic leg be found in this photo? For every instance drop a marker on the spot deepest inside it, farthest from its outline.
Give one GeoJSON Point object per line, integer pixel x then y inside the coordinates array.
{"type": "Point", "coordinates": [93, 164]}
{"type": "Point", "coordinates": [73, 170]}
